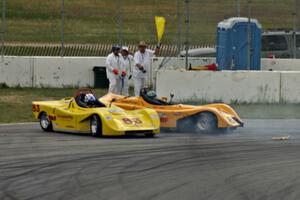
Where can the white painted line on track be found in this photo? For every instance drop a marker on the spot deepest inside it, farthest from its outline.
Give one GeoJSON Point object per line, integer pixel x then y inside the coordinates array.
{"type": "Point", "coordinates": [22, 123]}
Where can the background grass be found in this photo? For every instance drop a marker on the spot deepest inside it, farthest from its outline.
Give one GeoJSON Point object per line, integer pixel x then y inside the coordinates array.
{"type": "Point", "coordinates": [97, 21]}
{"type": "Point", "coordinates": [15, 105]}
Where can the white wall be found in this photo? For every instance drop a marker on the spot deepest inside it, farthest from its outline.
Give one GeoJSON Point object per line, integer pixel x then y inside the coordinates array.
{"type": "Point", "coordinates": [280, 64]}
{"type": "Point", "coordinates": [290, 87]}
{"type": "Point", "coordinates": [224, 86]}
{"type": "Point", "coordinates": [16, 71]}
{"type": "Point", "coordinates": [266, 63]}
{"type": "Point", "coordinates": [57, 72]}
{"type": "Point", "coordinates": [49, 71]}
{"type": "Point", "coordinates": [65, 72]}
{"type": "Point", "coordinates": [209, 86]}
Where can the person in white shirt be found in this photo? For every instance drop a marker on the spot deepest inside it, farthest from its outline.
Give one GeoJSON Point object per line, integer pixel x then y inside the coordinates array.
{"type": "Point", "coordinates": [113, 66]}
{"type": "Point", "coordinates": [142, 62]}
{"type": "Point", "coordinates": [126, 71]}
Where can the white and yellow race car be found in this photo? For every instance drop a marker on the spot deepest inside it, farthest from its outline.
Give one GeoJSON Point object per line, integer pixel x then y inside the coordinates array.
{"type": "Point", "coordinates": [75, 115]}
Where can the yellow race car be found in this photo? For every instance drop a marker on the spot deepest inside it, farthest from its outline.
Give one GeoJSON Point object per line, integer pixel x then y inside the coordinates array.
{"type": "Point", "coordinates": [85, 113]}
{"type": "Point", "coordinates": [185, 118]}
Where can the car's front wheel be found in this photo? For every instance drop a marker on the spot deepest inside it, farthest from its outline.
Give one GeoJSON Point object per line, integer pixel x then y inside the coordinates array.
{"type": "Point", "coordinates": [205, 122]}
{"type": "Point", "coordinates": [45, 122]}
{"type": "Point", "coordinates": [96, 126]}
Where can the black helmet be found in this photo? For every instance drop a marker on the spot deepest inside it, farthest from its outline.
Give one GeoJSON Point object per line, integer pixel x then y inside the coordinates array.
{"type": "Point", "coordinates": [115, 48]}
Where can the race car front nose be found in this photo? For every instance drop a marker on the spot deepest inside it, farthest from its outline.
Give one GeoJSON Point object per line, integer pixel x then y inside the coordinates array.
{"type": "Point", "coordinates": [238, 121]}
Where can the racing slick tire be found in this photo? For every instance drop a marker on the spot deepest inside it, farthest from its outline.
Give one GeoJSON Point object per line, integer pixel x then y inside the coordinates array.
{"type": "Point", "coordinates": [96, 126]}
{"type": "Point", "coordinates": [205, 122]}
{"type": "Point", "coordinates": [45, 122]}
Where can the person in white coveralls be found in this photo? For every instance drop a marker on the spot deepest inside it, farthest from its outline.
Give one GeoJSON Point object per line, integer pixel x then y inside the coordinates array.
{"type": "Point", "coordinates": [126, 71]}
{"type": "Point", "coordinates": [113, 69]}
{"type": "Point", "coordinates": [142, 63]}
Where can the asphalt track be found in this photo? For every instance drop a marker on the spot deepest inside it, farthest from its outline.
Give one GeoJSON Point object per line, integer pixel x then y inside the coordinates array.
{"type": "Point", "coordinates": [246, 164]}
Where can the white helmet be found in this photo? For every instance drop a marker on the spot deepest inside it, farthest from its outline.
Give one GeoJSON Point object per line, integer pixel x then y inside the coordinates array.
{"type": "Point", "coordinates": [125, 48]}
{"type": "Point", "coordinates": [89, 99]}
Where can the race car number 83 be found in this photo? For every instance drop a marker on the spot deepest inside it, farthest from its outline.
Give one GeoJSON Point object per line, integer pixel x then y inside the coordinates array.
{"type": "Point", "coordinates": [132, 121]}
{"type": "Point", "coordinates": [35, 108]}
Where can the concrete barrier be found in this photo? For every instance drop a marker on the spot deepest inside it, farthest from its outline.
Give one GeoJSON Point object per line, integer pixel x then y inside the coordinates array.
{"type": "Point", "coordinates": [236, 86]}
{"type": "Point", "coordinates": [280, 64]}
{"type": "Point", "coordinates": [267, 64]}
{"type": "Point", "coordinates": [49, 71]}
{"type": "Point", "coordinates": [290, 87]}
{"type": "Point", "coordinates": [16, 71]}
{"type": "Point", "coordinates": [223, 86]}
{"type": "Point", "coordinates": [65, 72]}
{"type": "Point", "coordinates": [55, 72]}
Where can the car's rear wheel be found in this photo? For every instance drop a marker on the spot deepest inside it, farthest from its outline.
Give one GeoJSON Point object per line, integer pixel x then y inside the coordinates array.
{"type": "Point", "coordinates": [96, 126]}
{"type": "Point", "coordinates": [205, 122]}
{"type": "Point", "coordinates": [45, 122]}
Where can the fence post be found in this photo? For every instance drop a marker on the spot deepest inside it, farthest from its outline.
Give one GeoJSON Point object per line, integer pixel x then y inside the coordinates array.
{"type": "Point", "coordinates": [249, 39]}
{"type": "Point", "coordinates": [187, 32]}
{"type": "Point", "coordinates": [62, 39]}
{"type": "Point", "coordinates": [3, 28]}
{"type": "Point", "coordinates": [238, 8]}
{"type": "Point", "coordinates": [120, 31]}
{"type": "Point", "coordinates": [179, 27]}
{"type": "Point", "coordinates": [294, 14]}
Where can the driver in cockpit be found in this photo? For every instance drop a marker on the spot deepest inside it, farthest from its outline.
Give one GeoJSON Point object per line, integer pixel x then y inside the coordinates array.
{"type": "Point", "coordinates": [88, 101]}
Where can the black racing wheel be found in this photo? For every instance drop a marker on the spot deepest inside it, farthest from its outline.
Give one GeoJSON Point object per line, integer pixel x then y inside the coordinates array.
{"type": "Point", "coordinates": [96, 126]}
{"type": "Point", "coordinates": [45, 122]}
{"type": "Point", "coordinates": [205, 122]}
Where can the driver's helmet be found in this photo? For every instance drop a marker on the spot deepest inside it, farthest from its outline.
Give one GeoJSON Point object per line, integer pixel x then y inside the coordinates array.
{"type": "Point", "coordinates": [89, 99]}
{"type": "Point", "coordinates": [151, 94]}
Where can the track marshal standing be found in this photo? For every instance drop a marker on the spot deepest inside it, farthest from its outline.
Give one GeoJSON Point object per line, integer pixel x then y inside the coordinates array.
{"type": "Point", "coordinates": [113, 69]}
{"type": "Point", "coordinates": [142, 64]}
{"type": "Point", "coordinates": [126, 71]}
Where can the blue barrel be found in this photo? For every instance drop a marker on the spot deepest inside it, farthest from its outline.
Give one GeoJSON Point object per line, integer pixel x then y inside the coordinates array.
{"type": "Point", "coordinates": [232, 44]}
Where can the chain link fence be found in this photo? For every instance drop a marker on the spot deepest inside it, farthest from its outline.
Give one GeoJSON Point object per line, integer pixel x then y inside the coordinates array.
{"type": "Point", "coordinates": [84, 27]}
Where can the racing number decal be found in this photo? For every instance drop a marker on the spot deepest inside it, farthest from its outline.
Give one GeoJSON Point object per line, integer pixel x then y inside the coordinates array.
{"type": "Point", "coordinates": [127, 121]}
{"type": "Point", "coordinates": [135, 121]}
{"type": "Point", "coordinates": [35, 108]}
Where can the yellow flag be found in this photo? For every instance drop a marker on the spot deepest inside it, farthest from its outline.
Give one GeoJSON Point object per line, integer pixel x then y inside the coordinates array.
{"type": "Point", "coordinates": [160, 26]}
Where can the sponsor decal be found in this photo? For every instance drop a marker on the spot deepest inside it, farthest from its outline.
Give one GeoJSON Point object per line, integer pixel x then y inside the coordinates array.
{"type": "Point", "coordinates": [114, 111]}
{"type": "Point", "coordinates": [163, 118]}
{"type": "Point", "coordinates": [52, 117]}
{"type": "Point", "coordinates": [35, 108]}
{"type": "Point", "coordinates": [66, 117]}
{"type": "Point", "coordinates": [108, 117]}
{"type": "Point", "coordinates": [153, 116]}
{"type": "Point", "coordinates": [176, 113]}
